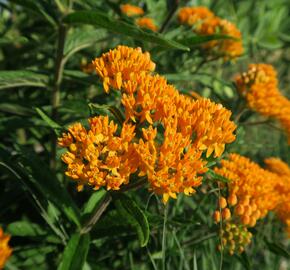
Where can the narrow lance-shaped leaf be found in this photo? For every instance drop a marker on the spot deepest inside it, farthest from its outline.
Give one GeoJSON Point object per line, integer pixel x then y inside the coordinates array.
{"type": "Point", "coordinates": [17, 78]}
{"type": "Point", "coordinates": [103, 20]}
{"type": "Point", "coordinates": [135, 216]}
{"type": "Point", "coordinates": [198, 39]}
{"type": "Point", "coordinates": [75, 253]}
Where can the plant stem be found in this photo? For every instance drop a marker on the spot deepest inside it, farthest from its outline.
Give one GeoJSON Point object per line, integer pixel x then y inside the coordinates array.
{"type": "Point", "coordinates": [55, 99]}
{"type": "Point", "coordinates": [164, 238]}
{"type": "Point", "coordinates": [169, 16]}
{"type": "Point", "coordinates": [97, 214]}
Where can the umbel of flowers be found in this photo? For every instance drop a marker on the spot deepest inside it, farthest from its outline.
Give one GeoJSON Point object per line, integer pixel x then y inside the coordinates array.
{"type": "Point", "coordinates": [5, 250]}
{"type": "Point", "coordinates": [282, 209]}
{"type": "Point", "coordinates": [135, 11]}
{"type": "Point", "coordinates": [251, 192]}
{"type": "Point", "coordinates": [205, 22]}
{"type": "Point", "coordinates": [259, 86]}
{"type": "Point", "coordinates": [173, 131]}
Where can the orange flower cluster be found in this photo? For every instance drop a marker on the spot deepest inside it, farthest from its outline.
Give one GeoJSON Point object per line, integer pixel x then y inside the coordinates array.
{"type": "Point", "coordinates": [130, 10]}
{"type": "Point", "coordinates": [259, 85]}
{"type": "Point", "coordinates": [5, 250]}
{"type": "Point", "coordinates": [172, 159]}
{"type": "Point", "coordinates": [282, 210]}
{"type": "Point", "coordinates": [206, 23]}
{"type": "Point", "coordinates": [251, 189]}
{"type": "Point", "coordinates": [143, 22]}
{"type": "Point", "coordinates": [251, 193]}
{"type": "Point", "coordinates": [98, 157]}
{"type": "Point", "coordinates": [119, 65]}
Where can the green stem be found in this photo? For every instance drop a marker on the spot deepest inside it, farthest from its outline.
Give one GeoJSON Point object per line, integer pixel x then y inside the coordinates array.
{"type": "Point", "coordinates": [169, 16]}
{"type": "Point", "coordinates": [55, 99]}
{"type": "Point", "coordinates": [164, 238]}
{"type": "Point", "coordinates": [97, 214]}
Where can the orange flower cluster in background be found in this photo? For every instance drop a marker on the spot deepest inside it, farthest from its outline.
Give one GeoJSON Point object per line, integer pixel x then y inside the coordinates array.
{"type": "Point", "coordinates": [5, 250]}
{"type": "Point", "coordinates": [143, 22]}
{"type": "Point", "coordinates": [282, 210]}
{"type": "Point", "coordinates": [206, 23]}
{"type": "Point", "coordinates": [250, 194]}
{"type": "Point", "coordinates": [259, 86]}
{"type": "Point", "coordinates": [130, 10]}
{"type": "Point", "coordinates": [147, 23]}
{"type": "Point", "coordinates": [171, 158]}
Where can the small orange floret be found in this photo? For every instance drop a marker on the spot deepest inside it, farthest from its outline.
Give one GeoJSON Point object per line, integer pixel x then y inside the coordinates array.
{"type": "Point", "coordinates": [130, 10]}
{"type": "Point", "coordinates": [147, 23]}
{"type": "Point", "coordinates": [226, 213]}
{"type": "Point", "coordinates": [217, 216]}
{"type": "Point", "coordinates": [222, 202]}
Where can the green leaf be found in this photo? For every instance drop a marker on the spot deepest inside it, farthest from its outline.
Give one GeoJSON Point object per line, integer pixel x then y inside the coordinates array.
{"type": "Point", "coordinates": [55, 126]}
{"type": "Point", "coordinates": [244, 260]}
{"type": "Point", "coordinates": [82, 38]}
{"type": "Point", "coordinates": [75, 253]}
{"type": "Point", "coordinates": [278, 249]}
{"type": "Point", "coordinates": [113, 223]}
{"type": "Point", "coordinates": [81, 77]}
{"type": "Point", "coordinates": [135, 216]}
{"type": "Point", "coordinates": [117, 26]}
{"type": "Point", "coordinates": [197, 40]}
{"type": "Point", "coordinates": [217, 177]}
{"type": "Point", "coordinates": [17, 78]}
{"type": "Point", "coordinates": [25, 228]}
{"type": "Point", "coordinates": [38, 176]}
{"type": "Point", "coordinates": [15, 109]}
{"type": "Point", "coordinates": [93, 202]}
{"type": "Point", "coordinates": [112, 109]}
{"type": "Point", "coordinates": [14, 40]}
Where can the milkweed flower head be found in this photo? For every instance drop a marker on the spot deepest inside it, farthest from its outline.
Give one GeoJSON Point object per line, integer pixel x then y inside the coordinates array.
{"type": "Point", "coordinates": [97, 156]}
{"type": "Point", "coordinates": [147, 23]}
{"type": "Point", "coordinates": [117, 66]}
{"type": "Point", "coordinates": [259, 86]}
{"type": "Point", "coordinates": [251, 191]}
{"type": "Point", "coordinates": [172, 166]}
{"type": "Point", "coordinates": [5, 249]}
{"type": "Point", "coordinates": [131, 10]}
{"type": "Point", "coordinates": [206, 23]}
{"type": "Point", "coordinates": [282, 169]}
{"type": "Point", "coordinates": [171, 158]}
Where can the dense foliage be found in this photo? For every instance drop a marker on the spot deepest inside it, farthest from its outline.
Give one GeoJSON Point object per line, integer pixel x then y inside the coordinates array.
{"type": "Point", "coordinates": [146, 134]}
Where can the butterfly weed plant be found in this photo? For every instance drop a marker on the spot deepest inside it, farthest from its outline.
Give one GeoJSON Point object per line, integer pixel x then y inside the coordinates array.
{"type": "Point", "coordinates": [144, 134]}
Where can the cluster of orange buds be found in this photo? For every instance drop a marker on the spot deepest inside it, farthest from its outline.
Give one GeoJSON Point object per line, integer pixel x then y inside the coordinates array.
{"type": "Point", "coordinates": [234, 238]}
{"type": "Point", "coordinates": [251, 192]}
{"type": "Point", "coordinates": [282, 210]}
{"type": "Point", "coordinates": [206, 23]}
{"type": "Point", "coordinates": [171, 158]}
{"type": "Point", "coordinates": [98, 157]}
{"type": "Point", "coordinates": [143, 22]}
{"type": "Point", "coordinates": [259, 86]}
{"type": "Point", "coordinates": [5, 249]}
